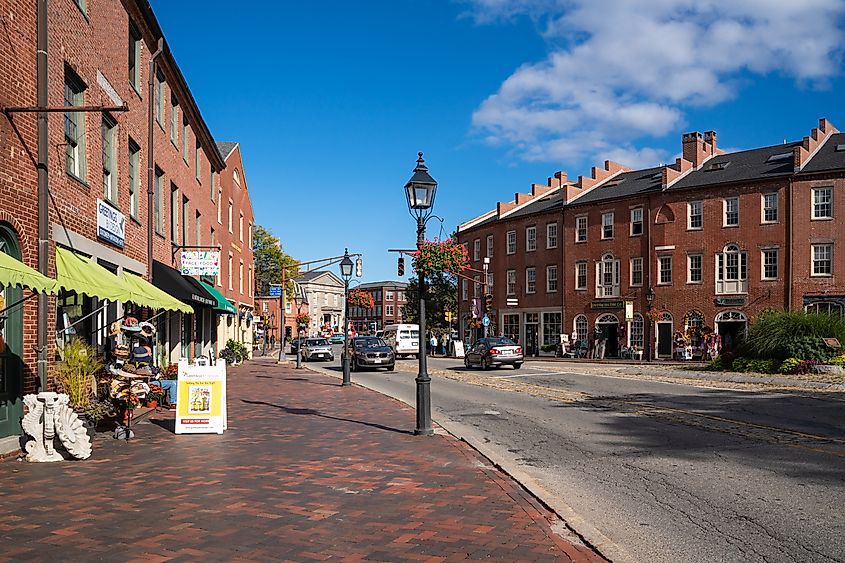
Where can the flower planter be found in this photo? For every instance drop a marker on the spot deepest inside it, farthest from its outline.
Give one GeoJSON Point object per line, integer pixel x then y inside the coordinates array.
{"type": "Point", "coordinates": [151, 404]}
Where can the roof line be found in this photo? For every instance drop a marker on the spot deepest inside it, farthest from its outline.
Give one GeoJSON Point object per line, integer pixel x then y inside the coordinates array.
{"type": "Point", "coordinates": [599, 184]}
{"type": "Point", "coordinates": [473, 222]}
{"type": "Point", "coordinates": [534, 199]}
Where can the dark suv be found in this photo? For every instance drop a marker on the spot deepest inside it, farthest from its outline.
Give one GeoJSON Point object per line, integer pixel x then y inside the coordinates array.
{"type": "Point", "coordinates": [370, 352]}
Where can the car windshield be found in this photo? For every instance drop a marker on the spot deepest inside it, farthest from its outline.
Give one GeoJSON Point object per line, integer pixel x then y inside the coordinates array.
{"type": "Point", "coordinates": [369, 342]}
{"type": "Point", "coordinates": [501, 341]}
{"type": "Point", "coordinates": [316, 342]}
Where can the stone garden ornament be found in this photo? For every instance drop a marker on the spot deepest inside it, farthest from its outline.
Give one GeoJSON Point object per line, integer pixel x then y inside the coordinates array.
{"type": "Point", "coordinates": [49, 416]}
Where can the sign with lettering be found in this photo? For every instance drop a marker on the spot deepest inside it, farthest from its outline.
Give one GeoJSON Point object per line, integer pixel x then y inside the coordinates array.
{"type": "Point", "coordinates": [730, 301]}
{"type": "Point", "coordinates": [201, 398]}
{"type": "Point", "coordinates": [111, 224]}
{"type": "Point", "coordinates": [275, 291]}
{"type": "Point", "coordinates": [200, 263]}
{"type": "Point", "coordinates": [629, 310]}
{"type": "Point", "coordinates": [606, 304]}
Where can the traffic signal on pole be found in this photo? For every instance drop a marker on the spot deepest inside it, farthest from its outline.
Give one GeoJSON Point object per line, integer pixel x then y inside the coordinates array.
{"type": "Point", "coordinates": [359, 267]}
{"type": "Point", "coordinates": [448, 316]}
{"type": "Point", "coordinates": [401, 266]}
{"type": "Point", "coordinates": [488, 303]}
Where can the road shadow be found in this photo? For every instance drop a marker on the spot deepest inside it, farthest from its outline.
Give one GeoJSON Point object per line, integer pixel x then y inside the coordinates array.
{"type": "Point", "coordinates": [314, 412]}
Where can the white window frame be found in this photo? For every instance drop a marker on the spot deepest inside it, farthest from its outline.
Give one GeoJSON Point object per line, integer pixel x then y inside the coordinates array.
{"type": "Point", "coordinates": [511, 282]}
{"type": "Point", "coordinates": [551, 235]}
{"type": "Point", "coordinates": [608, 277]}
{"type": "Point", "coordinates": [691, 207]}
{"type": "Point", "coordinates": [388, 310]}
{"type": "Point", "coordinates": [476, 249]}
{"type": "Point", "coordinates": [464, 289]}
{"type": "Point", "coordinates": [814, 259]}
{"type": "Point", "coordinates": [661, 261]}
{"type": "Point", "coordinates": [530, 280]}
{"type": "Point", "coordinates": [74, 126]}
{"type": "Point", "coordinates": [690, 259]}
{"type": "Point", "coordinates": [634, 221]}
{"type": "Point", "coordinates": [476, 287]}
{"type": "Point", "coordinates": [727, 213]}
{"type": "Point", "coordinates": [511, 242]}
{"type": "Point", "coordinates": [607, 225]}
{"type": "Point", "coordinates": [819, 206]}
{"type": "Point", "coordinates": [632, 266]}
{"type": "Point", "coordinates": [765, 200]}
{"type": "Point", "coordinates": [765, 253]}
{"type": "Point", "coordinates": [580, 326]}
{"type": "Point", "coordinates": [530, 239]}
{"type": "Point", "coordinates": [581, 227]}
{"type": "Point", "coordinates": [581, 267]}
{"type": "Point", "coordinates": [109, 139]}
{"type": "Point", "coordinates": [551, 279]}
{"type": "Point", "coordinates": [731, 258]}
{"type": "Point", "coordinates": [489, 246]}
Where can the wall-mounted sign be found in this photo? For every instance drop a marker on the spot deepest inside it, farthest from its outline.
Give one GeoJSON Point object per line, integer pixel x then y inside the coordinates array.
{"type": "Point", "coordinates": [730, 301]}
{"type": "Point", "coordinates": [200, 262]}
{"type": "Point", "coordinates": [111, 224]}
{"type": "Point", "coordinates": [606, 304]}
{"type": "Point", "coordinates": [512, 302]}
{"type": "Point", "coordinates": [629, 310]}
{"type": "Point", "coordinates": [275, 291]}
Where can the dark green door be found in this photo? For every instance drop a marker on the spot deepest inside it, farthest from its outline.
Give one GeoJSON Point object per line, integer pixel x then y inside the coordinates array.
{"type": "Point", "coordinates": [11, 346]}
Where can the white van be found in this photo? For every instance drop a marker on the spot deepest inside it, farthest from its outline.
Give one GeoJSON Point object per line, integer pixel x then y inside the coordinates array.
{"type": "Point", "coordinates": [403, 338]}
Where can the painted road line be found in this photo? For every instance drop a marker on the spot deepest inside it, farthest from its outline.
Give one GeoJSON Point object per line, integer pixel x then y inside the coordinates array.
{"type": "Point", "coordinates": [525, 375]}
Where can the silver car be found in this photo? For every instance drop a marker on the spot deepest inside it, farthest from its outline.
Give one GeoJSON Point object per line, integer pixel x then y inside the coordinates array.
{"type": "Point", "coordinates": [317, 349]}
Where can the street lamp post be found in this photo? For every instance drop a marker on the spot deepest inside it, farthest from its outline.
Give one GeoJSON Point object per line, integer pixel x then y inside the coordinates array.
{"type": "Point", "coordinates": [420, 191]}
{"type": "Point", "coordinates": [272, 324]}
{"type": "Point", "coordinates": [346, 274]}
{"type": "Point", "coordinates": [649, 298]}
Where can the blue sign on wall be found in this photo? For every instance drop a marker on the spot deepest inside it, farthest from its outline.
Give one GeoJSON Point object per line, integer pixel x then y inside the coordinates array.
{"type": "Point", "coordinates": [485, 321]}
{"type": "Point", "coordinates": [275, 291]}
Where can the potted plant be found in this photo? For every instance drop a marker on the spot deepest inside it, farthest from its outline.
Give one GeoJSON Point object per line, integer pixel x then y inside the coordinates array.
{"type": "Point", "coordinates": [75, 376]}
{"type": "Point", "coordinates": [303, 320]}
{"type": "Point", "coordinates": [96, 411]}
{"type": "Point", "coordinates": [154, 396]}
{"type": "Point", "coordinates": [360, 298]}
{"type": "Point", "coordinates": [433, 257]}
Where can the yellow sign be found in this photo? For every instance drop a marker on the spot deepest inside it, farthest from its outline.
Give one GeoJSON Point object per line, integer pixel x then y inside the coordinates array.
{"type": "Point", "coordinates": [201, 399]}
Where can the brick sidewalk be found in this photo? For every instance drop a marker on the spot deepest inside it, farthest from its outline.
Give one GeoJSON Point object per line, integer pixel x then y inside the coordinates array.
{"type": "Point", "coordinates": [308, 471]}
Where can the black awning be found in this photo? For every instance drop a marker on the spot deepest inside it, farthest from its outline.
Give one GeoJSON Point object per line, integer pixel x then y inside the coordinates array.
{"type": "Point", "coordinates": [181, 287]}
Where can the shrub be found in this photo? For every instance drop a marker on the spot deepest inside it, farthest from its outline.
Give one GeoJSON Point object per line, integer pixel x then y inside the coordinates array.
{"type": "Point", "coordinates": [806, 366]}
{"type": "Point", "coordinates": [789, 366]}
{"type": "Point", "coordinates": [837, 360]}
{"type": "Point", "coordinates": [776, 334]}
{"type": "Point", "coordinates": [740, 364]}
{"type": "Point", "coordinates": [716, 364]}
{"type": "Point", "coordinates": [75, 373]}
{"type": "Point", "coordinates": [548, 347]}
{"type": "Point", "coordinates": [808, 348]}
{"type": "Point", "coordinates": [763, 366]}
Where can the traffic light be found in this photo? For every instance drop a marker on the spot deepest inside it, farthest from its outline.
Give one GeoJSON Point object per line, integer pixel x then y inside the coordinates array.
{"type": "Point", "coordinates": [448, 316]}
{"type": "Point", "coordinates": [401, 266]}
{"type": "Point", "coordinates": [488, 303]}
{"type": "Point", "coordinates": [359, 267]}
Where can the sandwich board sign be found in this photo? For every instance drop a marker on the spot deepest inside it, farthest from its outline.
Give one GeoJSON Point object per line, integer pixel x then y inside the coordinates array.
{"type": "Point", "coordinates": [201, 401]}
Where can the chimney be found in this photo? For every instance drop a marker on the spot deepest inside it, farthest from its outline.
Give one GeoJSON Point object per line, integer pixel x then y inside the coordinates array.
{"type": "Point", "coordinates": [802, 153]}
{"type": "Point", "coordinates": [558, 180]}
{"type": "Point", "coordinates": [694, 149]}
{"type": "Point", "coordinates": [710, 139]}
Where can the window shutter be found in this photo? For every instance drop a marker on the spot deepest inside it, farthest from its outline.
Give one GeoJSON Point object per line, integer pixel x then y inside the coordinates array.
{"type": "Point", "coordinates": [616, 277]}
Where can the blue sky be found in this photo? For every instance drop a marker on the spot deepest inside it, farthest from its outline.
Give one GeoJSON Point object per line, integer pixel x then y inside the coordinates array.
{"type": "Point", "coordinates": [331, 101]}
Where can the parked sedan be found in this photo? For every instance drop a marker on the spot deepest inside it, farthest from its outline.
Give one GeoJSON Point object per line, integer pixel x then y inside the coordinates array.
{"type": "Point", "coordinates": [494, 351]}
{"type": "Point", "coordinates": [337, 338]}
{"type": "Point", "coordinates": [370, 352]}
{"type": "Point", "coordinates": [317, 349]}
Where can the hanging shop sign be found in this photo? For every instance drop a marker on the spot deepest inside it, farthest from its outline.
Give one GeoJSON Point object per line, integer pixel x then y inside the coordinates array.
{"type": "Point", "coordinates": [629, 310]}
{"type": "Point", "coordinates": [606, 304]}
{"type": "Point", "coordinates": [201, 403]}
{"type": "Point", "coordinates": [111, 224]}
{"type": "Point", "coordinates": [200, 263]}
{"type": "Point", "coordinates": [730, 301]}
{"type": "Point", "coordinates": [275, 290]}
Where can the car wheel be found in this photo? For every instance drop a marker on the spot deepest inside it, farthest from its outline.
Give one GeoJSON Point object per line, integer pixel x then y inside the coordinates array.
{"type": "Point", "coordinates": [485, 363]}
{"type": "Point", "coordinates": [466, 362]}
{"type": "Point", "coordinates": [391, 368]}
{"type": "Point", "coordinates": [353, 365]}
{"type": "Point", "coordinates": [517, 365]}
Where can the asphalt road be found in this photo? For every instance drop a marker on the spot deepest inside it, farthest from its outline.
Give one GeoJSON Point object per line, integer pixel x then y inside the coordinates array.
{"type": "Point", "coordinates": [655, 471]}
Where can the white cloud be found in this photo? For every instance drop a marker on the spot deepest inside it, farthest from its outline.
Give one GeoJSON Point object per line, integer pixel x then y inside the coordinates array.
{"type": "Point", "coordinates": [619, 71]}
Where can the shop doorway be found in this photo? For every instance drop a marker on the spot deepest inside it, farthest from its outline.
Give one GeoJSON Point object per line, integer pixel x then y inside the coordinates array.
{"type": "Point", "coordinates": [608, 326]}
{"type": "Point", "coordinates": [532, 334]}
{"type": "Point", "coordinates": [731, 327]}
{"type": "Point", "coordinates": [11, 345]}
{"type": "Point", "coordinates": [664, 336]}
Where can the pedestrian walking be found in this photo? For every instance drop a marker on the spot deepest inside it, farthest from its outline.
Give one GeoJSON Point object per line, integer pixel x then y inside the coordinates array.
{"type": "Point", "coordinates": [272, 341]}
{"type": "Point", "coordinates": [443, 341]}
{"type": "Point", "coordinates": [432, 345]}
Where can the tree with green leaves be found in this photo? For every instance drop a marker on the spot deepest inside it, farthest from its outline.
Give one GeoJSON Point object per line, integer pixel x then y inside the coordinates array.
{"type": "Point", "coordinates": [441, 296]}
{"type": "Point", "coordinates": [269, 261]}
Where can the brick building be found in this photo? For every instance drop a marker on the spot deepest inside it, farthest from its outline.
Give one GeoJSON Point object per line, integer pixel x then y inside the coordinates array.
{"type": "Point", "coordinates": [388, 303]}
{"type": "Point", "coordinates": [104, 205]}
{"type": "Point", "coordinates": [715, 237]}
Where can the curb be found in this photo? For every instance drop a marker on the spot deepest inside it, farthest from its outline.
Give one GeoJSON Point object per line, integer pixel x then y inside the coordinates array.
{"type": "Point", "coordinates": [586, 532]}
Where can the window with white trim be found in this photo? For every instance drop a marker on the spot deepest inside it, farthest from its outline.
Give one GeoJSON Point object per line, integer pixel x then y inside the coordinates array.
{"type": "Point", "coordinates": [636, 221]}
{"type": "Point", "coordinates": [159, 98]}
{"type": "Point", "coordinates": [607, 225]}
{"type": "Point", "coordinates": [476, 249]}
{"type": "Point", "coordinates": [732, 270]}
{"type": "Point", "coordinates": [476, 287]}
{"type": "Point", "coordinates": [822, 203]}
{"type": "Point", "coordinates": [580, 328]}
{"type": "Point", "coordinates": [530, 280]}
{"type": "Point", "coordinates": [511, 238]}
{"type": "Point", "coordinates": [580, 275]}
{"type": "Point", "coordinates": [74, 125]}
{"type": "Point", "coordinates": [824, 308]}
{"type": "Point", "coordinates": [637, 331]}
{"type": "Point", "coordinates": [607, 277]}
{"type": "Point", "coordinates": [134, 57]}
{"type": "Point", "coordinates": [464, 289]}
{"type": "Point", "coordinates": [174, 120]}
{"type": "Point", "coordinates": [695, 272]}
{"type": "Point", "coordinates": [770, 207]}
{"type": "Point", "coordinates": [530, 239]}
{"type": "Point", "coordinates": [551, 235]}
{"type": "Point", "coordinates": [770, 263]}
{"type": "Point", "coordinates": [109, 146]}
{"type": "Point", "coordinates": [388, 310]}
{"type": "Point", "coordinates": [490, 282]}
{"type": "Point", "coordinates": [489, 246]}
{"type": "Point", "coordinates": [664, 269]}
{"type": "Point", "coordinates": [822, 260]}
{"type": "Point", "coordinates": [637, 272]}
{"type": "Point", "coordinates": [551, 279]}
{"type": "Point", "coordinates": [134, 177]}
{"type": "Point", "coordinates": [511, 282]}
{"type": "Point", "coordinates": [511, 326]}
{"type": "Point", "coordinates": [551, 328]}
{"type": "Point", "coordinates": [731, 207]}
{"type": "Point", "coordinates": [695, 215]}
{"type": "Point", "coordinates": [581, 229]}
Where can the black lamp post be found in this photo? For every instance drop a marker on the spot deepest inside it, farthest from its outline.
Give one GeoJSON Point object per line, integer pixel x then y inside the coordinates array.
{"type": "Point", "coordinates": [272, 324]}
{"type": "Point", "coordinates": [649, 298]}
{"type": "Point", "coordinates": [420, 191]}
{"type": "Point", "coordinates": [346, 274]}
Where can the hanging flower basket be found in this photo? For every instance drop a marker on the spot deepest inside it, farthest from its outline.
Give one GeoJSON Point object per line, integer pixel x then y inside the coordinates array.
{"type": "Point", "coordinates": [653, 315]}
{"type": "Point", "coordinates": [436, 256]}
{"type": "Point", "coordinates": [360, 298]}
{"type": "Point", "coordinates": [303, 319]}
{"type": "Point", "coordinates": [473, 324]}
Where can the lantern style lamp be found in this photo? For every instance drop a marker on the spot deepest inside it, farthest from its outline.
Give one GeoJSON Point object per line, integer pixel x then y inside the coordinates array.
{"type": "Point", "coordinates": [346, 274]}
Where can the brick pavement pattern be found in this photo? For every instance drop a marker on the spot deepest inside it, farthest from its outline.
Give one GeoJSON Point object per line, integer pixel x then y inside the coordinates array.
{"type": "Point", "coordinates": [307, 471]}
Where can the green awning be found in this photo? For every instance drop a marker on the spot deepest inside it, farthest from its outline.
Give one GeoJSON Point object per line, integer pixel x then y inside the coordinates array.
{"type": "Point", "coordinates": [84, 276]}
{"type": "Point", "coordinates": [148, 295]}
{"type": "Point", "coordinates": [223, 304]}
{"type": "Point", "coordinates": [15, 273]}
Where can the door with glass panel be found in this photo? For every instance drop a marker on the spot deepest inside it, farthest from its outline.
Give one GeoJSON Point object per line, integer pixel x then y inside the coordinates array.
{"type": "Point", "coordinates": [11, 345]}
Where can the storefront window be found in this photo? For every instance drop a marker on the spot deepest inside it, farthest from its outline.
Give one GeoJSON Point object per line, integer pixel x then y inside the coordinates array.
{"type": "Point", "coordinates": [551, 328]}
{"type": "Point", "coordinates": [511, 326]}
{"type": "Point", "coordinates": [580, 328]}
{"type": "Point", "coordinates": [637, 330]}
{"type": "Point", "coordinates": [824, 308]}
